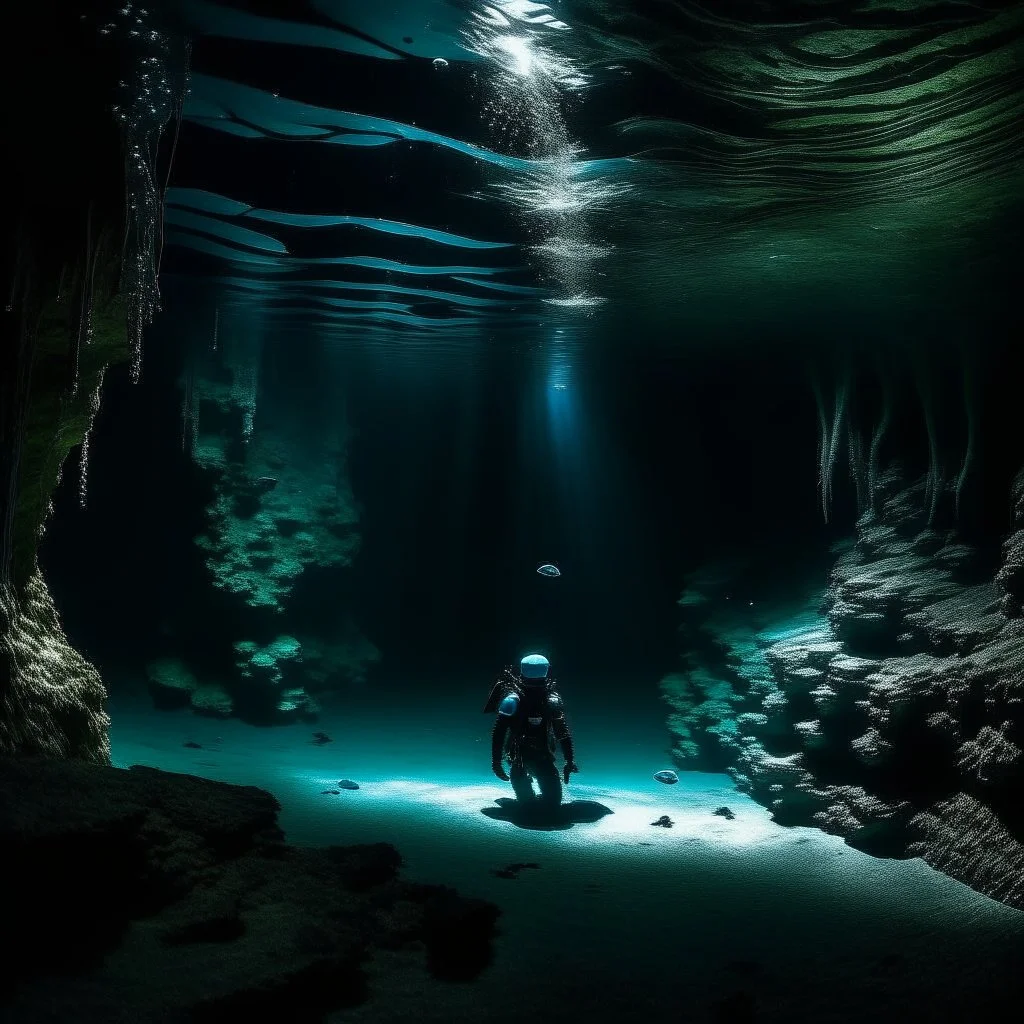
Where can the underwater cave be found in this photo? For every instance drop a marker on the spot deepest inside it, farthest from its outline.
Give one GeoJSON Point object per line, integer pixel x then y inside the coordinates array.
{"type": "Point", "coordinates": [512, 510]}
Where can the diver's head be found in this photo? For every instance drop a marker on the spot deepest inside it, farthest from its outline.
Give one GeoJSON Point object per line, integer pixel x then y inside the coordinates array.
{"type": "Point", "coordinates": [534, 669]}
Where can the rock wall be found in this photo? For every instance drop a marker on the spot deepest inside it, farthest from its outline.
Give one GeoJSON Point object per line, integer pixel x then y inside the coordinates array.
{"type": "Point", "coordinates": [53, 701]}
{"type": "Point", "coordinates": [79, 261]}
{"type": "Point", "coordinates": [889, 709]}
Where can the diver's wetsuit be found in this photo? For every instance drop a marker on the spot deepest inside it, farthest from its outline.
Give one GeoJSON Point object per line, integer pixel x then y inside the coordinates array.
{"type": "Point", "coordinates": [531, 718]}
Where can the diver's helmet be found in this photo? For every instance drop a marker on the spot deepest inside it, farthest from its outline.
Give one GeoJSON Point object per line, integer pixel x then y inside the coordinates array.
{"type": "Point", "coordinates": [534, 669]}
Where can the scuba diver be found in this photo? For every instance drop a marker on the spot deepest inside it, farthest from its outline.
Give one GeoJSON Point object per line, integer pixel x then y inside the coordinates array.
{"type": "Point", "coordinates": [531, 719]}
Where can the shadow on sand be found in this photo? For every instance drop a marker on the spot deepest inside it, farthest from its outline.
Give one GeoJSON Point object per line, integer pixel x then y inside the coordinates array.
{"type": "Point", "coordinates": [578, 812]}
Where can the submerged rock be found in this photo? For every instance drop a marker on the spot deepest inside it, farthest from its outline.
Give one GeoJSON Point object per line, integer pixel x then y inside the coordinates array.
{"type": "Point", "coordinates": [320, 738]}
{"type": "Point", "coordinates": [724, 812]}
{"type": "Point", "coordinates": [668, 777]}
{"type": "Point", "coordinates": [348, 784]}
{"type": "Point", "coordinates": [663, 822]}
{"type": "Point", "coordinates": [190, 862]}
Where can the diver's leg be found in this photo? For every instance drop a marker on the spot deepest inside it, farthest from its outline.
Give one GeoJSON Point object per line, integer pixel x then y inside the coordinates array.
{"type": "Point", "coordinates": [522, 784]}
{"type": "Point", "coordinates": [546, 774]}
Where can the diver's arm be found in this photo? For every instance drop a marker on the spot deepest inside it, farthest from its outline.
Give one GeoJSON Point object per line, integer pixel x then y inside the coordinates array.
{"type": "Point", "coordinates": [498, 742]}
{"type": "Point", "coordinates": [560, 727]}
{"type": "Point", "coordinates": [506, 709]}
{"type": "Point", "coordinates": [564, 737]}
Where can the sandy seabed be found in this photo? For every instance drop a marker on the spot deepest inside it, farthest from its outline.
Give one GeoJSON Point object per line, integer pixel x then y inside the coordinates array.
{"type": "Point", "coordinates": [710, 920]}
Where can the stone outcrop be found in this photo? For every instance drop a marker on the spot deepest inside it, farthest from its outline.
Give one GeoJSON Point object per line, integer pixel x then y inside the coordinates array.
{"type": "Point", "coordinates": [145, 895]}
{"type": "Point", "coordinates": [282, 513]}
{"type": "Point", "coordinates": [53, 702]}
{"type": "Point", "coordinates": [890, 709]}
{"type": "Point", "coordinates": [51, 699]}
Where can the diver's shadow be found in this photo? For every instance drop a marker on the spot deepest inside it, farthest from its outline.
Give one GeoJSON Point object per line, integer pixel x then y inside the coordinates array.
{"type": "Point", "coordinates": [553, 819]}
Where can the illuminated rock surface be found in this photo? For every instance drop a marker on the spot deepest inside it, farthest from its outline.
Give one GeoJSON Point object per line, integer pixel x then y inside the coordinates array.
{"type": "Point", "coordinates": [893, 715]}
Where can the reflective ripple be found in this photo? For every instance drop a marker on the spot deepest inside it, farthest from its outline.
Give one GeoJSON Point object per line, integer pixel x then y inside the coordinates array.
{"type": "Point", "coordinates": [307, 186]}
{"type": "Point", "coordinates": [522, 161]}
{"type": "Point", "coordinates": [853, 141]}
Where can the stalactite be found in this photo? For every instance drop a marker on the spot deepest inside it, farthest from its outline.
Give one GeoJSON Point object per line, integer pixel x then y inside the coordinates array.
{"type": "Point", "coordinates": [83, 473]}
{"type": "Point", "coordinates": [838, 419]}
{"type": "Point", "coordinates": [178, 113]}
{"type": "Point", "coordinates": [934, 480]}
{"type": "Point", "coordinates": [972, 430]}
{"type": "Point", "coordinates": [823, 447]}
{"type": "Point", "coordinates": [876, 440]}
{"type": "Point", "coordinates": [153, 98]}
{"type": "Point", "coordinates": [858, 467]}
{"type": "Point", "coordinates": [84, 306]}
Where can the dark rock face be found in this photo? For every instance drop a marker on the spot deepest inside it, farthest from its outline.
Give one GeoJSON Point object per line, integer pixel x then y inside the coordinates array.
{"type": "Point", "coordinates": [124, 875]}
{"type": "Point", "coordinates": [890, 711]}
{"type": "Point", "coordinates": [79, 258]}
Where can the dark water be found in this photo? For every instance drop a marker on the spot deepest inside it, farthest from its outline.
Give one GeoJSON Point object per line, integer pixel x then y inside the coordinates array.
{"type": "Point", "coordinates": [583, 293]}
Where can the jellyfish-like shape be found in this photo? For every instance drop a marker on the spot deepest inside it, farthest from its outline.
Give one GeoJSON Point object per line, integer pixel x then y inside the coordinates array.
{"type": "Point", "coordinates": [549, 570]}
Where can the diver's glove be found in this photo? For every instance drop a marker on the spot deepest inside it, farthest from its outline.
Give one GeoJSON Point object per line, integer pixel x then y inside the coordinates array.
{"type": "Point", "coordinates": [570, 767]}
{"type": "Point", "coordinates": [499, 770]}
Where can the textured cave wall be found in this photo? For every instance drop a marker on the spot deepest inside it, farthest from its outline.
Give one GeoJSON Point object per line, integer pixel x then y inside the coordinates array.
{"type": "Point", "coordinates": [75, 256]}
{"type": "Point", "coordinates": [52, 699]}
{"type": "Point", "coordinates": [888, 709]}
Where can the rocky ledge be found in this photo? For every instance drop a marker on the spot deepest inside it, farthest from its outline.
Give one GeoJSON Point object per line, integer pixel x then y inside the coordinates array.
{"type": "Point", "coordinates": [889, 709]}
{"type": "Point", "coordinates": [141, 895]}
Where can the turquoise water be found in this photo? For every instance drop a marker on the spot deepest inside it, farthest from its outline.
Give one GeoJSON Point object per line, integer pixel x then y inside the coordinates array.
{"type": "Point", "coordinates": [622, 921]}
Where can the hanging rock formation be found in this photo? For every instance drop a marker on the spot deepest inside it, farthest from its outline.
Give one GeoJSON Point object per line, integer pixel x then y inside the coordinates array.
{"type": "Point", "coordinates": [79, 261]}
